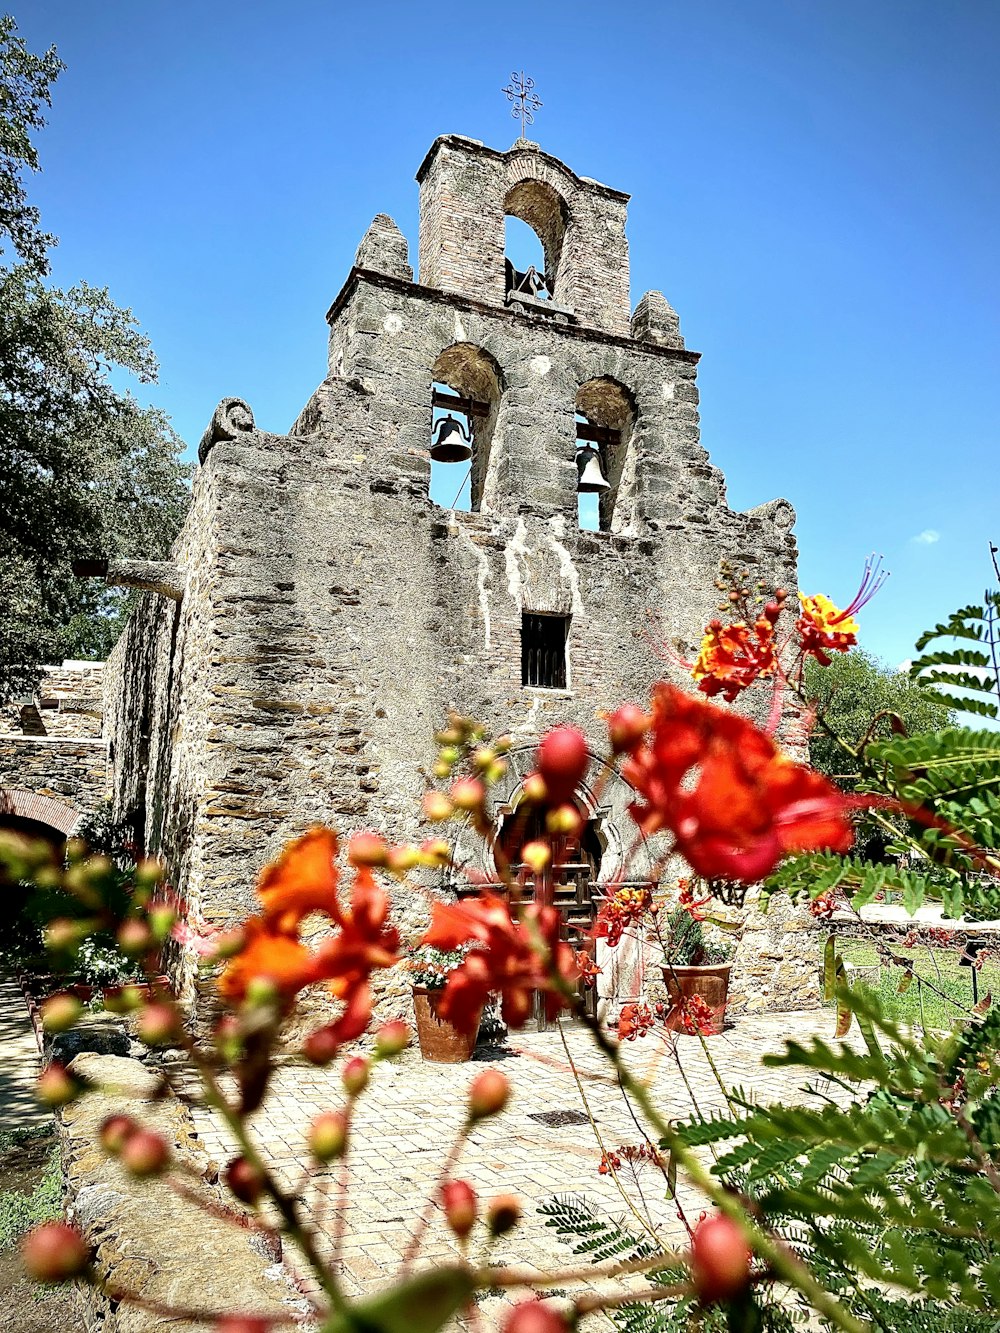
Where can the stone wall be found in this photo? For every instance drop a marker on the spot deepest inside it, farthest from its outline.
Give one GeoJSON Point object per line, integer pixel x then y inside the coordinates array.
{"type": "Point", "coordinates": [146, 1237]}
{"type": "Point", "coordinates": [66, 702]}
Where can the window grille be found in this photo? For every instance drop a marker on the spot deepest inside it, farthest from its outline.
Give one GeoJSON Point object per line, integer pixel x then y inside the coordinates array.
{"type": "Point", "coordinates": [543, 651]}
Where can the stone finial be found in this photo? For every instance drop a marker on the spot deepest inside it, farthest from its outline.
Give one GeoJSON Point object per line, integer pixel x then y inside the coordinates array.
{"type": "Point", "coordinates": [384, 249]}
{"type": "Point", "coordinates": [656, 321]}
{"type": "Point", "coordinates": [231, 418]}
{"type": "Point", "coordinates": [159, 576]}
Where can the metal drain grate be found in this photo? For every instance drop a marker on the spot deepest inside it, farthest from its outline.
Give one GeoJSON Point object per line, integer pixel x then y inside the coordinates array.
{"type": "Point", "coordinates": [557, 1119]}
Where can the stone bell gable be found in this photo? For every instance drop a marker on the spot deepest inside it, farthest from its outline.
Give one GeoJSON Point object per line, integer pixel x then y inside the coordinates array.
{"type": "Point", "coordinates": [322, 609]}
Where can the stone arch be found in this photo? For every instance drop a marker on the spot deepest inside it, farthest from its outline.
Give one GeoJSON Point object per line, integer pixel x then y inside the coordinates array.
{"type": "Point", "coordinates": [469, 370]}
{"type": "Point", "coordinates": [608, 403]}
{"type": "Point", "coordinates": [19, 806]}
{"type": "Point", "coordinates": [545, 211]}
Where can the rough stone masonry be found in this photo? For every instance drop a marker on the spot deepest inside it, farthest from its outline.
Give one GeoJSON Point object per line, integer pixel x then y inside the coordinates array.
{"type": "Point", "coordinates": [320, 612]}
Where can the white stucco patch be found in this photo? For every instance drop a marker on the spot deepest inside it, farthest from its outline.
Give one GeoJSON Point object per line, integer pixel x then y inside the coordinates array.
{"type": "Point", "coordinates": [566, 566]}
{"type": "Point", "coordinates": [393, 324]}
{"type": "Point", "coordinates": [516, 547]}
{"type": "Point", "coordinates": [668, 390]}
{"type": "Point", "coordinates": [539, 365]}
{"type": "Point", "coordinates": [460, 335]}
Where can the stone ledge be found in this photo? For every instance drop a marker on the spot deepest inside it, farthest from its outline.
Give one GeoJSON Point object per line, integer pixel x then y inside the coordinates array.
{"type": "Point", "coordinates": [146, 1237]}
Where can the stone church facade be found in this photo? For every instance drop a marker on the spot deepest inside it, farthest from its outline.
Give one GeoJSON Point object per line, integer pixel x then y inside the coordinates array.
{"type": "Point", "coordinates": [321, 611]}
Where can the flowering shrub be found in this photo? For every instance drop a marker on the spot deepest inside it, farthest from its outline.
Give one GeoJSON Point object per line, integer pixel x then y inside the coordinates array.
{"type": "Point", "coordinates": [430, 967]}
{"type": "Point", "coordinates": [880, 1212]}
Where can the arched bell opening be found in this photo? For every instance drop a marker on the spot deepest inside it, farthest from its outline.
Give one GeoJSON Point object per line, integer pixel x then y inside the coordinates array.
{"type": "Point", "coordinates": [465, 402]}
{"type": "Point", "coordinates": [605, 457]}
{"type": "Point", "coordinates": [535, 226]}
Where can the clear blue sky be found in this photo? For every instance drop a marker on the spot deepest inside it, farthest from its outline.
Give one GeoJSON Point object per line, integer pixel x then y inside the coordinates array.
{"type": "Point", "coordinates": [814, 184]}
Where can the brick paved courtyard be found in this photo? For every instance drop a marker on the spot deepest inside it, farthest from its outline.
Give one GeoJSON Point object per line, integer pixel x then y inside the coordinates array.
{"type": "Point", "coordinates": [408, 1118]}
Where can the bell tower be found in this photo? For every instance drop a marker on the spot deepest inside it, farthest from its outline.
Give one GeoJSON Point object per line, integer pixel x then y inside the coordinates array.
{"type": "Point", "coordinates": [332, 598]}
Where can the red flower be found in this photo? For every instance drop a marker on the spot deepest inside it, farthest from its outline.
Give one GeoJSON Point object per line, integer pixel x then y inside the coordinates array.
{"type": "Point", "coordinates": [365, 941]}
{"type": "Point", "coordinates": [696, 1016]}
{"type": "Point", "coordinates": [690, 903]}
{"type": "Point", "coordinates": [622, 908]}
{"type": "Point", "coordinates": [735, 804]}
{"type": "Point", "coordinates": [731, 657]}
{"type": "Point", "coordinates": [635, 1020]}
{"type": "Point", "coordinates": [516, 960]}
{"type": "Point", "coordinates": [823, 628]}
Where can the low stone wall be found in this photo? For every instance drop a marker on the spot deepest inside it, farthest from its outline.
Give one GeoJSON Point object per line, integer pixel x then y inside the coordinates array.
{"type": "Point", "coordinates": [145, 1236]}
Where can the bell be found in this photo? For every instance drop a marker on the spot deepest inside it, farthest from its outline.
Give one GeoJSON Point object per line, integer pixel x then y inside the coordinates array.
{"type": "Point", "coordinates": [590, 480]}
{"type": "Point", "coordinates": [452, 441]}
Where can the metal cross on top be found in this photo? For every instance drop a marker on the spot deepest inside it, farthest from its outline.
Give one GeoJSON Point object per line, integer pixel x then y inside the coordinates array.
{"type": "Point", "coordinates": [526, 103]}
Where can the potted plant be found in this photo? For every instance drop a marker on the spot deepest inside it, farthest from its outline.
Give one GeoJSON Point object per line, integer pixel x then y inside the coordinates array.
{"type": "Point", "coordinates": [439, 1040]}
{"type": "Point", "coordinates": [693, 966]}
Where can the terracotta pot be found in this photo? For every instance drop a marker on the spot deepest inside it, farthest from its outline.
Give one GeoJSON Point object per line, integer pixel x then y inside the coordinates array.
{"type": "Point", "coordinates": [439, 1040]}
{"type": "Point", "coordinates": [710, 982]}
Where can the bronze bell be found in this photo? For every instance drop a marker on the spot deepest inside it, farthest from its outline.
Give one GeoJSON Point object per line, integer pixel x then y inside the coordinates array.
{"type": "Point", "coordinates": [452, 441]}
{"type": "Point", "coordinates": [590, 479]}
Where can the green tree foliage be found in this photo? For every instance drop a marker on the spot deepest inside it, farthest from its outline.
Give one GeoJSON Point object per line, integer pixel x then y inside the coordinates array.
{"type": "Point", "coordinates": [86, 469]}
{"type": "Point", "coordinates": [852, 691]}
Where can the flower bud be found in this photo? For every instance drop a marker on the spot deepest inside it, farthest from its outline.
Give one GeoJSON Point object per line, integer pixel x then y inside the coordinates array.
{"type": "Point", "coordinates": [626, 727]}
{"type": "Point", "coordinates": [467, 794]}
{"type": "Point", "coordinates": [781, 594]}
{"type": "Point", "coordinates": [229, 1038]}
{"type": "Point", "coordinates": [245, 1180]}
{"type": "Point", "coordinates": [535, 1317]}
{"type": "Point", "coordinates": [321, 1046]}
{"type": "Point", "coordinates": [533, 789]}
{"type": "Point", "coordinates": [134, 937]}
{"type": "Point", "coordinates": [54, 1252]}
{"type": "Point", "coordinates": [241, 1323]}
{"type": "Point", "coordinates": [145, 1153]}
{"type": "Point", "coordinates": [495, 772]}
{"type": "Point", "coordinates": [536, 856]}
{"type": "Point", "coordinates": [435, 852]}
{"type": "Point", "coordinates": [440, 769]}
{"type": "Point", "coordinates": [720, 1259]}
{"type": "Point", "coordinates": [60, 1012]}
{"type": "Point", "coordinates": [76, 850]}
{"type": "Point", "coordinates": [449, 736]}
{"type": "Point", "coordinates": [114, 1132]}
{"type": "Point", "coordinates": [562, 761]}
{"type": "Point", "coordinates": [355, 1075]}
{"type": "Point", "coordinates": [564, 821]}
{"type": "Point", "coordinates": [159, 1024]}
{"type": "Point", "coordinates": [227, 944]}
{"type": "Point", "coordinates": [771, 612]}
{"type": "Point", "coordinates": [483, 758]}
{"type": "Point", "coordinates": [262, 991]}
{"type": "Point", "coordinates": [149, 872]}
{"type": "Point", "coordinates": [437, 807]}
{"type": "Point", "coordinates": [328, 1136]}
{"type": "Point", "coordinates": [56, 1086]}
{"type": "Point", "coordinates": [503, 1214]}
{"type": "Point", "coordinates": [162, 918]}
{"type": "Point", "coordinates": [402, 859]}
{"type": "Point", "coordinates": [123, 999]}
{"type": "Point", "coordinates": [391, 1039]}
{"type": "Point", "coordinates": [488, 1094]}
{"type": "Point", "coordinates": [458, 1199]}
{"type": "Point", "coordinates": [64, 934]}
{"type": "Point", "coordinates": [367, 849]}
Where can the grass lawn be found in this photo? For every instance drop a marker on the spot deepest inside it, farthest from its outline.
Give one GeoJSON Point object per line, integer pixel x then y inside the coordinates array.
{"type": "Point", "coordinates": [935, 970]}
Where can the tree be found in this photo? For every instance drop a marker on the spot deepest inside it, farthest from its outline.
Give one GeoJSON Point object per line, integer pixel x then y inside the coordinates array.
{"type": "Point", "coordinates": [852, 691]}
{"type": "Point", "coordinates": [86, 469]}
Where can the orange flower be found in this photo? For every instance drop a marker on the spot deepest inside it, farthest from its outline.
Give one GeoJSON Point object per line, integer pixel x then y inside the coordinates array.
{"type": "Point", "coordinates": [733, 656]}
{"type": "Point", "coordinates": [302, 880]}
{"type": "Point", "coordinates": [270, 957]}
{"type": "Point", "coordinates": [517, 959]}
{"type": "Point", "coordinates": [735, 804]}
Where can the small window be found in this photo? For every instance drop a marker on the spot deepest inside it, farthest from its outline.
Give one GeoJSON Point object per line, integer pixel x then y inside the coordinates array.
{"type": "Point", "coordinates": [543, 651]}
